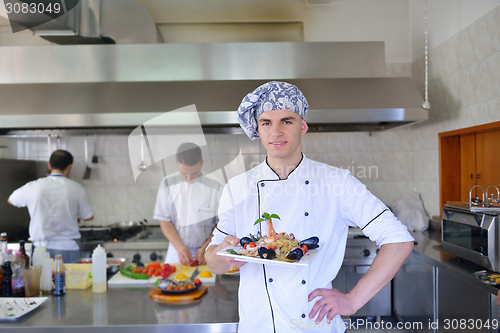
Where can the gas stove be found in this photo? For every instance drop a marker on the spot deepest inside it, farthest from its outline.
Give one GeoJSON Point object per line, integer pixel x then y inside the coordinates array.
{"type": "Point", "coordinates": [144, 244]}
{"type": "Point", "coordinates": [102, 234]}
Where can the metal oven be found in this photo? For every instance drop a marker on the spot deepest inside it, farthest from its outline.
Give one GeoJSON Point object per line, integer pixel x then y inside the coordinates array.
{"type": "Point", "coordinates": [472, 235]}
{"type": "Point", "coordinates": [134, 244]}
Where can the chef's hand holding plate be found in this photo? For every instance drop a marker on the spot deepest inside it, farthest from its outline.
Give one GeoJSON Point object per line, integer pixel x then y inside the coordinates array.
{"type": "Point", "coordinates": [219, 264]}
{"type": "Point", "coordinates": [331, 303]}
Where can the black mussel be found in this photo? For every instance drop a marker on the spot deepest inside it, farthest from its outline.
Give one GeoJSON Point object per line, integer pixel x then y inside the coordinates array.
{"type": "Point", "coordinates": [267, 253]}
{"type": "Point", "coordinates": [311, 242]}
{"type": "Point", "coordinates": [253, 238]}
{"type": "Point", "coordinates": [259, 235]}
{"type": "Point", "coordinates": [295, 254]}
{"type": "Point", "coordinates": [245, 240]}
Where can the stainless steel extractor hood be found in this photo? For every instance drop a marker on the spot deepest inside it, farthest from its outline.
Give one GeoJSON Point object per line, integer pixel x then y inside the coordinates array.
{"type": "Point", "coordinates": [122, 86]}
{"type": "Point", "coordinates": [94, 22]}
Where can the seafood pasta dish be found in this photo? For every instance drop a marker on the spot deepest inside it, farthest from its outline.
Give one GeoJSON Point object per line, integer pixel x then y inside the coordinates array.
{"type": "Point", "coordinates": [280, 246]}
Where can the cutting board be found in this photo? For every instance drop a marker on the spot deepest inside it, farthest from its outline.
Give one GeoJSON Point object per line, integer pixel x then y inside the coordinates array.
{"type": "Point", "coordinates": [121, 280]}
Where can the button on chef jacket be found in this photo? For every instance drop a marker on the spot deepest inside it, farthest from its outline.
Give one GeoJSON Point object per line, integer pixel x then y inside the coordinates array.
{"type": "Point", "coordinates": [53, 203]}
{"type": "Point", "coordinates": [192, 208]}
{"type": "Point", "coordinates": [315, 200]}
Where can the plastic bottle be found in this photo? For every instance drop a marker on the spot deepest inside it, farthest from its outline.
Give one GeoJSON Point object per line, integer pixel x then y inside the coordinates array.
{"type": "Point", "coordinates": [22, 249]}
{"type": "Point", "coordinates": [7, 277]}
{"type": "Point", "coordinates": [46, 277]}
{"type": "Point", "coordinates": [18, 266]}
{"type": "Point", "coordinates": [39, 256]}
{"type": "Point", "coordinates": [99, 270]}
{"type": "Point", "coordinates": [59, 273]}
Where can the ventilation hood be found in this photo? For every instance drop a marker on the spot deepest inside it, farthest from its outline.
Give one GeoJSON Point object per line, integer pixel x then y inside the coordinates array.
{"type": "Point", "coordinates": [122, 86]}
{"type": "Point", "coordinates": [93, 22]}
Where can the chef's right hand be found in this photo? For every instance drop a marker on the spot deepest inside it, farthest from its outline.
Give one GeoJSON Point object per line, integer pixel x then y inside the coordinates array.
{"type": "Point", "coordinates": [231, 240]}
{"type": "Point", "coordinates": [184, 255]}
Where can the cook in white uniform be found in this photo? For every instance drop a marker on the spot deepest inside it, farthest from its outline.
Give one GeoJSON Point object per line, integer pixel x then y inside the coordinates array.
{"type": "Point", "coordinates": [312, 199]}
{"type": "Point", "coordinates": [187, 207]}
{"type": "Point", "coordinates": [55, 204]}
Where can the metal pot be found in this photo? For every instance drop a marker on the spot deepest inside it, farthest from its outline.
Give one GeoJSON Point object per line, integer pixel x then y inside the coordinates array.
{"type": "Point", "coordinates": [127, 225]}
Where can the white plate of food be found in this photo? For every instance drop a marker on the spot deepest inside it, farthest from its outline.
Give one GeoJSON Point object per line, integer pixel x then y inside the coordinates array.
{"type": "Point", "coordinates": [234, 252]}
{"type": "Point", "coordinates": [233, 271]}
{"type": "Point", "coordinates": [12, 308]}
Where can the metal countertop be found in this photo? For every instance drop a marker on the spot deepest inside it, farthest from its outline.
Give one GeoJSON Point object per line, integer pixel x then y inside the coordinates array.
{"type": "Point", "coordinates": [430, 249]}
{"type": "Point", "coordinates": [133, 310]}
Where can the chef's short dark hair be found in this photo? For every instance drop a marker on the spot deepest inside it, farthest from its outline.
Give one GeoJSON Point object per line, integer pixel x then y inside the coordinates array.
{"type": "Point", "coordinates": [60, 159]}
{"type": "Point", "coordinates": [189, 153]}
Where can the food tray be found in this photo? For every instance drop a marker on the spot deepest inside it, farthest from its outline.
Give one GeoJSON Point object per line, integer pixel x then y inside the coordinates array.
{"type": "Point", "coordinates": [304, 261]}
{"type": "Point", "coordinates": [78, 276]}
{"type": "Point", "coordinates": [483, 276]}
{"type": "Point", "coordinates": [12, 308]}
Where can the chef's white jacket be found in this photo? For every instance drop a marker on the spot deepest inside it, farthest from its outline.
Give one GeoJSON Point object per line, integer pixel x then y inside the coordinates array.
{"type": "Point", "coordinates": [53, 203]}
{"type": "Point", "coordinates": [192, 208]}
{"type": "Point", "coordinates": [315, 200]}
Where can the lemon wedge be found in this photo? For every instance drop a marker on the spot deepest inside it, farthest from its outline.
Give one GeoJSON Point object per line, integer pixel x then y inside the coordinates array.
{"type": "Point", "coordinates": [206, 274]}
{"type": "Point", "coordinates": [182, 276]}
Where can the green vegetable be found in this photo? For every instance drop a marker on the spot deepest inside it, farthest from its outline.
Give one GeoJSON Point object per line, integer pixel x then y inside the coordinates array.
{"type": "Point", "coordinates": [127, 271]}
{"type": "Point", "coordinates": [267, 216]}
{"type": "Point", "coordinates": [231, 251]}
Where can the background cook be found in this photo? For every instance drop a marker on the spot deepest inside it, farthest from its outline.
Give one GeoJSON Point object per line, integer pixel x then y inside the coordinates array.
{"type": "Point", "coordinates": [186, 206]}
{"type": "Point", "coordinates": [312, 199]}
{"type": "Point", "coordinates": [55, 204]}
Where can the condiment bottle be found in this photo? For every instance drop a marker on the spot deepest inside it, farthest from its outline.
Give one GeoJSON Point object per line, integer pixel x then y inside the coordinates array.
{"type": "Point", "coordinates": [22, 249]}
{"type": "Point", "coordinates": [46, 278]}
{"type": "Point", "coordinates": [99, 270]}
{"type": "Point", "coordinates": [3, 244]}
{"type": "Point", "coordinates": [7, 277]}
{"type": "Point", "coordinates": [18, 266]}
{"type": "Point", "coordinates": [39, 255]}
{"type": "Point", "coordinates": [59, 273]}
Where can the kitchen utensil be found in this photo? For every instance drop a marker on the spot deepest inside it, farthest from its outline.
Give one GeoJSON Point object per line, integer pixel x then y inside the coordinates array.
{"type": "Point", "coordinates": [142, 166]}
{"type": "Point", "coordinates": [95, 160]}
{"type": "Point", "coordinates": [86, 174]}
{"type": "Point", "coordinates": [127, 225]}
{"type": "Point", "coordinates": [195, 273]}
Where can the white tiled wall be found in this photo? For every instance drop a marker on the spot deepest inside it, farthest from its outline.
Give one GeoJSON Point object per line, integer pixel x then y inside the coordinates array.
{"type": "Point", "coordinates": [464, 91]}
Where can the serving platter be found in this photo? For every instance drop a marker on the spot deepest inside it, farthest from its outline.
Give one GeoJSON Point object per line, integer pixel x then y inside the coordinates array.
{"type": "Point", "coordinates": [304, 261]}
{"type": "Point", "coordinates": [179, 292]}
{"type": "Point", "coordinates": [483, 276]}
{"type": "Point", "coordinates": [12, 308]}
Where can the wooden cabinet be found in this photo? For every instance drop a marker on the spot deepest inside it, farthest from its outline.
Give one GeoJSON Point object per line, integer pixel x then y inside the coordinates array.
{"type": "Point", "coordinates": [469, 157]}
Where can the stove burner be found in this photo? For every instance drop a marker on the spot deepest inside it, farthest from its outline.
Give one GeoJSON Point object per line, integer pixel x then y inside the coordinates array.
{"type": "Point", "coordinates": [109, 235]}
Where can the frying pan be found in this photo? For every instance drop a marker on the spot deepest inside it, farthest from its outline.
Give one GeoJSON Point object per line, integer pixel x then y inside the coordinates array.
{"type": "Point", "coordinates": [126, 225]}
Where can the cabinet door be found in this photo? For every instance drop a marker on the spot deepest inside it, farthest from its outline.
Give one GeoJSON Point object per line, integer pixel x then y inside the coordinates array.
{"type": "Point", "coordinates": [458, 302]}
{"type": "Point", "coordinates": [467, 165]}
{"type": "Point", "coordinates": [488, 160]}
{"type": "Point", "coordinates": [414, 293]}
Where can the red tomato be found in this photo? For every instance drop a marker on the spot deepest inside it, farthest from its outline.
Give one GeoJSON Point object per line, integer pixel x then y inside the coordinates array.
{"type": "Point", "coordinates": [193, 263]}
{"type": "Point", "coordinates": [197, 282]}
{"type": "Point", "coordinates": [304, 248]}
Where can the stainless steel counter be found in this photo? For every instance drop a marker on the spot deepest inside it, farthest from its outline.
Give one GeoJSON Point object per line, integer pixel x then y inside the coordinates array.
{"type": "Point", "coordinates": [429, 248]}
{"type": "Point", "coordinates": [133, 310]}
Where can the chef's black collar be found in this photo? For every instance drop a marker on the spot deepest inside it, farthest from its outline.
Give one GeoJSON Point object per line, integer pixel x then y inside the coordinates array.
{"type": "Point", "coordinates": [298, 164]}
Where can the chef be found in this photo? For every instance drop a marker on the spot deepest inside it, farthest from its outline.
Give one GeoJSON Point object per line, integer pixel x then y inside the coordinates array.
{"type": "Point", "coordinates": [312, 199]}
{"type": "Point", "coordinates": [186, 206]}
{"type": "Point", "coordinates": [55, 204]}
